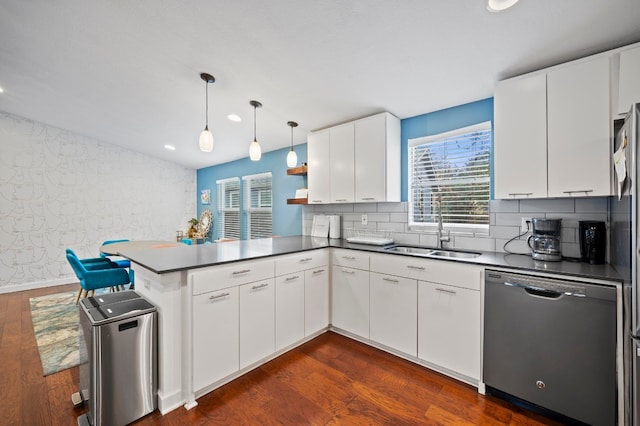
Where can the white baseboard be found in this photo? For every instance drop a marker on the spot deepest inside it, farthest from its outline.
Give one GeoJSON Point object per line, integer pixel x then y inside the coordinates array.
{"type": "Point", "coordinates": [37, 284]}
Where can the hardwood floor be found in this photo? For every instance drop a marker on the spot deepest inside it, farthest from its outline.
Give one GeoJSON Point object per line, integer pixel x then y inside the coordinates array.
{"type": "Point", "coordinates": [331, 380]}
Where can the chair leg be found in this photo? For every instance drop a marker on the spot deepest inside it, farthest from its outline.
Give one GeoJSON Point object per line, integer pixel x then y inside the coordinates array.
{"type": "Point", "coordinates": [92, 292]}
{"type": "Point", "coordinates": [79, 293]}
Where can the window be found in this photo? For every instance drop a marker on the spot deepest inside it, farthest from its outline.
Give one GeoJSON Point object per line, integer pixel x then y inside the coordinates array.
{"type": "Point", "coordinates": [229, 208]}
{"type": "Point", "coordinates": [449, 175]}
{"type": "Point", "coordinates": [257, 205]}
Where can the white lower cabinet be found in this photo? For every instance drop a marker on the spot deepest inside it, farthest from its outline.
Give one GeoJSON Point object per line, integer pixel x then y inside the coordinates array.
{"type": "Point", "coordinates": [350, 300]}
{"type": "Point", "coordinates": [257, 321]}
{"type": "Point", "coordinates": [216, 331]}
{"type": "Point", "coordinates": [316, 300]}
{"type": "Point", "coordinates": [449, 325]}
{"type": "Point", "coordinates": [394, 312]}
{"type": "Point", "coordinates": [290, 290]}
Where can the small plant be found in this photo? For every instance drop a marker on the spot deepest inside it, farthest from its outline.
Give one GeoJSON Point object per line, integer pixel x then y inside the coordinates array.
{"type": "Point", "coordinates": [193, 221]}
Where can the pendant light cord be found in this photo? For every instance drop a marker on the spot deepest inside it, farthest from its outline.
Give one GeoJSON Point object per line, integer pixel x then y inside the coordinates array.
{"type": "Point", "coordinates": [206, 108]}
{"type": "Point", "coordinates": [291, 138]}
{"type": "Point", "coordinates": [254, 122]}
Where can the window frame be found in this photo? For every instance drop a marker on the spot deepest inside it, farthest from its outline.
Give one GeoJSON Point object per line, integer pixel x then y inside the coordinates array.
{"type": "Point", "coordinates": [225, 196]}
{"type": "Point", "coordinates": [262, 207]}
{"type": "Point", "coordinates": [479, 229]}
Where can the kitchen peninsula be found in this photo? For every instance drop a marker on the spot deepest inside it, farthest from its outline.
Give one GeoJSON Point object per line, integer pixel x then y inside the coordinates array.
{"type": "Point", "coordinates": [226, 308]}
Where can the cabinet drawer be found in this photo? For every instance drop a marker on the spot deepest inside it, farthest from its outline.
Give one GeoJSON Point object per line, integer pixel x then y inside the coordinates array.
{"type": "Point", "coordinates": [217, 277]}
{"type": "Point", "coordinates": [351, 259]}
{"type": "Point", "coordinates": [440, 271]}
{"type": "Point", "coordinates": [301, 261]}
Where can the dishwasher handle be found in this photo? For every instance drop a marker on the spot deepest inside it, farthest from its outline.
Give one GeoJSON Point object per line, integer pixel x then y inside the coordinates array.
{"type": "Point", "coordinates": [536, 291]}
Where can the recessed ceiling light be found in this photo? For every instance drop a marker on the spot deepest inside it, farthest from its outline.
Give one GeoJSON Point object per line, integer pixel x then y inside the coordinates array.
{"type": "Point", "coordinates": [499, 5]}
{"type": "Point", "coordinates": [170, 147]}
{"type": "Point", "coordinates": [234, 117]}
{"type": "Point", "coordinates": [1, 90]}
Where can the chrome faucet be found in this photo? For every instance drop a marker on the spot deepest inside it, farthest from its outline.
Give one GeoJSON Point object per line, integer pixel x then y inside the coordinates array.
{"type": "Point", "coordinates": [446, 237]}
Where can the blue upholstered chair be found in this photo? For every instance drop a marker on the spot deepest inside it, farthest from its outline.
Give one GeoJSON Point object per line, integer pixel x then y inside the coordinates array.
{"type": "Point", "coordinates": [123, 263]}
{"type": "Point", "coordinates": [93, 262]}
{"type": "Point", "coordinates": [92, 279]}
{"type": "Point", "coordinates": [186, 241]}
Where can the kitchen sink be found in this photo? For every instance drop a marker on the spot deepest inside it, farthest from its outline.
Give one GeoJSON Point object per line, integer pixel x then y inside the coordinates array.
{"type": "Point", "coordinates": [430, 252]}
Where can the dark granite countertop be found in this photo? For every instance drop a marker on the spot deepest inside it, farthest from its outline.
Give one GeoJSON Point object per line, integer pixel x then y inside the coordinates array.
{"type": "Point", "coordinates": [185, 257]}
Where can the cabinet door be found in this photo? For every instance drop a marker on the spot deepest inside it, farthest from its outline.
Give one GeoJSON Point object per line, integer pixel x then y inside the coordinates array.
{"type": "Point", "coordinates": [579, 154]}
{"type": "Point", "coordinates": [449, 327]}
{"type": "Point", "coordinates": [257, 321]}
{"type": "Point", "coordinates": [316, 300]}
{"type": "Point", "coordinates": [377, 158]}
{"type": "Point", "coordinates": [318, 168]}
{"type": "Point", "coordinates": [350, 300]}
{"type": "Point", "coordinates": [394, 312]}
{"type": "Point", "coordinates": [342, 161]}
{"type": "Point", "coordinates": [289, 309]}
{"type": "Point", "coordinates": [215, 336]}
{"type": "Point", "coordinates": [520, 138]}
{"type": "Point", "coordinates": [629, 79]}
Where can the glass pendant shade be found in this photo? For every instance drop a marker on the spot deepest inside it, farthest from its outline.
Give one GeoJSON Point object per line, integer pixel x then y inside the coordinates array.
{"type": "Point", "coordinates": [255, 152]}
{"type": "Point", "coordinates": [292, 158]}
{"type": "Point", "coordinates": [499, 5]}
{"type": "Point", "coordinates": [206, 141]}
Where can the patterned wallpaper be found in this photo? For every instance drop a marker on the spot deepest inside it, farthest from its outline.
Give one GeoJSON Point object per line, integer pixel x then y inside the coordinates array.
{"type": "Point", "coordinates": [59, 189]}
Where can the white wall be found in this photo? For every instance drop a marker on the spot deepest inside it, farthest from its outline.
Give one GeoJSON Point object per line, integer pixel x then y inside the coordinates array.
{"type": "Point", "coordinates": [505, 217]}
{"type": "Point", "coordinates": [59, 189]}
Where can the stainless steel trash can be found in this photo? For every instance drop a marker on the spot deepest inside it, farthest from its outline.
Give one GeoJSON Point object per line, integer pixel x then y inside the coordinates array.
{"type": "Point", "coordinates": [119, 380]}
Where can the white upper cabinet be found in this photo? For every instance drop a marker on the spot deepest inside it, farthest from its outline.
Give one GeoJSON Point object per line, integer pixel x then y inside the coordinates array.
{"type": "Point", "coordinates": [629, 79]}
{"type": "Point", "coordinates": [377, 158]}
{"type": "Point", "coordinates": [357, 161]}
{"type": "Point", "coordinates": [342, 163]}
{"type": "Point", "coordinates": [318, 168]}
{"type": "Point", "coordinates": [578, 128]}
{"type": "Point", "coordinates": [520, 138]}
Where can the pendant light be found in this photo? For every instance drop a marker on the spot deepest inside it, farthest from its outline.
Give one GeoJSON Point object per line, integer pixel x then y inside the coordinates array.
{"type": "Point", "coordinates": [292, 158]}
{"type": "Point", "coordinates": [255, 152]}
{"type": "Point", "coordinates": [206, 138]}
{"type": "Point", "coordinates": [499, 5]}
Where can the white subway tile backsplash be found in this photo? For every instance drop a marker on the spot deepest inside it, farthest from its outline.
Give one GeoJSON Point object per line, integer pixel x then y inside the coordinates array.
{"type": "Point", "coordinates": [555, 205]}
{"type": "Point", "coordinates": [471, 243]}
{"type": "Point", "coordinates": [592, 205]}
{"type": "Point", "coordinates": [398, 217]}
{"type": "Point", "coordinates": [365, 207]}
{"type": "Point", "coordinates": [392, 207]}
{"type": "Point", "coordinates": [406, 238]}
{"type": "Point", "coordinates": [429, 239]}
{"type": "Point", "coordinates": [391, 226]}
{"type": "Point", "coordinates": [504, 231]}
{"type": "Point", "coordinates": [504, 206]}
{"type": "Point", "coordinates": [377, 217]}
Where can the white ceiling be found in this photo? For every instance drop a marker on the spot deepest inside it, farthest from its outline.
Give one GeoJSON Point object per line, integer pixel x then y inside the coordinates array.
{"type": "Point", "coordinates": [127, 72]}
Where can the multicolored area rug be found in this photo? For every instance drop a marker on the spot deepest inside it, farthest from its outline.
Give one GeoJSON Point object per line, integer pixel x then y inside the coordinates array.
{"type": "Point", "coordinates": [56, 325]}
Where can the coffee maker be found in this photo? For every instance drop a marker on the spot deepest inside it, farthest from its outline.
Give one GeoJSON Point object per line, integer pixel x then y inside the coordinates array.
{"type": "Point", "coordinates": [593, 241]}
{"type": "Point", "coordinates": [545, 239]}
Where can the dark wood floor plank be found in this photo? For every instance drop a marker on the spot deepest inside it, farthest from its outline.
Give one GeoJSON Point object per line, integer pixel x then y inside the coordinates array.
{"type": "Point", "coordinates": [331, 380]}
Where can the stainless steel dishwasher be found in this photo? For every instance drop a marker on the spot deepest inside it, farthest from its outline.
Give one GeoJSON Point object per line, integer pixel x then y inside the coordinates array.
{"type": "Point", "coordinates": [552, 343]}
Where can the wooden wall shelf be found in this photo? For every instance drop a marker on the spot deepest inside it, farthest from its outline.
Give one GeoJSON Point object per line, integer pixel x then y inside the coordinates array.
{"type": "Point", "coordinates": [297, 200]}
{"type": "Point", "coordinates": [298, 171]}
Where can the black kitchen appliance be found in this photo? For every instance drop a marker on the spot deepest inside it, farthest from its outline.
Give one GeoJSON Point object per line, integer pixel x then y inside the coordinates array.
{"type": "Point", "coordinates": [593, 241]}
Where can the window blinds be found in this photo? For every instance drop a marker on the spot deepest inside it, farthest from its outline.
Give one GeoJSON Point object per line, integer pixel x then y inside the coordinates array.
{"type": "Point", "coordinates": [257, 205]}
{"type": "Point", "coordinates": [229, 208]}
{"type": "Point", "coordinates": [452, 169]}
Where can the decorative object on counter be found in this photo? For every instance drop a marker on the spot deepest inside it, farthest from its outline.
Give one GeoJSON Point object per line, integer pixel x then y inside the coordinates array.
{"type": "Point", "coordinates": [179, 236]}
{"type": "Point", "coordinates": [292, 157]}
{"type": "Point", "coordinates": [320, 226]}
{"type": "Point", "coordinates": [205, 196]}
{"type": "Point", "coordinates": [255, 152]}
{"type": "Point", "coordinates": [368, 236]}
{"type": "Point", "coordinates": [192, 231]}
{"type": "Point", "coordinates": [206, 221]}
{"type": "Point", "coordinates": [206, 138]}
{"type": "Point", "coordinates": [334, 226]}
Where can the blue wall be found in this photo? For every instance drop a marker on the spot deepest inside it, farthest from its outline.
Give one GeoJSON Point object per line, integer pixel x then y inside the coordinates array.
{"type": "Point", "coordinates": [442, 121]}
{"type": "Point", "coordinates": [287, 219]}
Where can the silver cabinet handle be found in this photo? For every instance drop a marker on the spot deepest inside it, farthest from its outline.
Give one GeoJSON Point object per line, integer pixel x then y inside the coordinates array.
{"type": "Point", "coordinates": [586, 191]}
{"type": "Point", "coordinates": [316, 201]}
{"type": "Point", "coordinates": [306, 259]}
{"type": "Point", "coordinates": [219, 296]}
{"type": "Point", "coordinates": [391, 280]}
{"type": "Point", "coordinates": [347, 271]}
{"type": "Point", "coordinates": [341, 199]}
{"type": "Point", "coordinates": [368, 198]}
{"type": "Point", "coordinates": [349, 257]}
{"type": "Point", "coordinates": [244, 271]}
{"type": "Point", "coordinates": [257, 287]}
{"type": "Point", "coordinates": [318, 271]}
{"type": "Point", "coordinates": [515, 194]}
{"type": "Point", "coordinates": [419, 268]}
{"type": "Point", "coordinates": [295, 277]}
{"type": "Point", "coordinates": [444, 290]}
